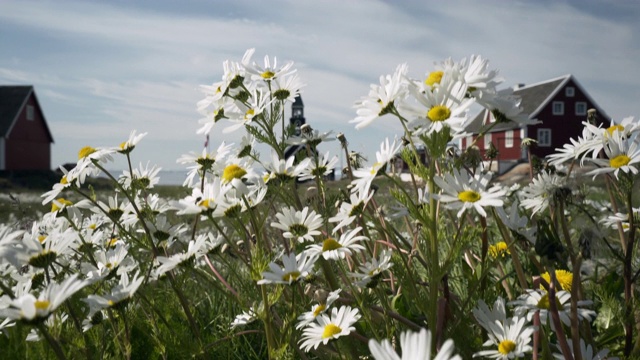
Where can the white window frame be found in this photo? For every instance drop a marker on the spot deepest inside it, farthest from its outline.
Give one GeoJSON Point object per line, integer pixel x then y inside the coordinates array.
{"type": "Point", "coordinates": [583, 111]}
{"type": "Point", "coordinates": [31, 112]}
{"type": "Point", "coordinates": [570, 91]}
{"type": "Point", "coordinates": [508, 139]}
{"type": "Point", "coordinates": [557, 107]}
{"type": "Point", "coordinates": [544, 137]}
{"type": "Point", "coordinates": [487, 141]}
{"type": "Point", "coordinates": [469, 141]}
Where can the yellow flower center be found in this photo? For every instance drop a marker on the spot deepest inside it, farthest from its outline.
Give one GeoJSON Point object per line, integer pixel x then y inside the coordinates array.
{"type": "Point", "coordinates": [112, 242]}
{"type": "Point", "coordinates": [544, 303]}
{"type": "Point", "coordinates": [62, 203]}
{"type": "Point", "coordinates": [291, 276]}
{"type": "Point", "coordinates": [439, 113]}
{"type": "Point", "coordinates": [64, 180]}
{"type": "Point", "coordinates": [93, 226]}
{"type": "Point", "coordinates": [42, 304]}
{"type": "Point", "coordinates": [123, 145]}
{"type": "Point", "coordinates": [204, 203]}
{"type": "Point", "coordinates": [506, 347]}
{"type": "Point", "coordinates": [468, 196]}
{"type": "Point", "coordinates": [330, 244]}
{"type": "Point", "coordinates": [319, 309]}
{"type": "Point", "coordinates": [375, 168]}
{"type": "Point", "coordinates": [564, 277]}
{"type": "Point", "coordinates": [233, 171]}
{"type": "Point", "coordinates": [42, 238]}
{"type": "Point", "coordinates": [85, 151]}
{"type": "Point", "coordinates": [499, 250]}
{"type": "Point", "coordinates": [249, 113]}
{"type": "Point", "coordinates": [434, 78]}
{"type": "Point", "coordinates": [267, 74]}
{"type": "Point", "coordinates": [331, 330]}
{"type": "Point", "coordinates": [619, 161]}
{"type": "Point", "coordinates": [613, 128]}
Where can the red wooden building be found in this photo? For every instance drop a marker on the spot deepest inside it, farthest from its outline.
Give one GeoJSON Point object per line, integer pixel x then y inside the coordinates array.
{"type": "Point", "coordinates": [559, 104]}
{"type": "Point", "coordinates": [25, 139]}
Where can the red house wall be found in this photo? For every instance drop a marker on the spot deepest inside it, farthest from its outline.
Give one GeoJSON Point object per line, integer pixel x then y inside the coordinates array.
{"type": "Point", "coordinates": [498, 140]}
{"type": "Point", "coordinates": [28, 144]}
{"type": "Point", "coordinates": [563, 127]}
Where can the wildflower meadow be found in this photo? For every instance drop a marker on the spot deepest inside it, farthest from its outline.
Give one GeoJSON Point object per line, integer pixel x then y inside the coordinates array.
{"type": "Point", "coordinates": [263, 257]}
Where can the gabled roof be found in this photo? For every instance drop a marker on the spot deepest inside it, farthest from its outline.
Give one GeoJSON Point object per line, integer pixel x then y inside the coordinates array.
{"type": "Point", "coordinates": [534, 98]}
{"type": "Point", "coordinates": [12, 100]}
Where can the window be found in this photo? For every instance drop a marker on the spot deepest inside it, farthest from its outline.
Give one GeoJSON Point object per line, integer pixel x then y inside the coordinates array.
{"type": "Point", "coordinates": [487, 141]}
{"type": "Point", "coordinates": [544, 137]}
{"type": "Point", "coordinates": [569, 91]}
{"type": "Point", "coordinates": [30, 112]}
{"type": "Point", "coordinates": [581, 108]}
{"type": "Point", "coordinates": [508, 139]}
{"type": "Point", "coordinates": [558, 108]}
{"type": "Point", "coordinates": [469, 141]}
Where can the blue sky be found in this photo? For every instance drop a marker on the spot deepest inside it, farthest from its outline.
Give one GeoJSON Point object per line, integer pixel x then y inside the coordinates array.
{"type": "Point", "coordinates": [102, 69]}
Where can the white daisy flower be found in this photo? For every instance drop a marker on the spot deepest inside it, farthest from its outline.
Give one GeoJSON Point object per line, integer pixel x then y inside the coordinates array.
{"type": "Point", "coordinates": [464, 192]}
{"type": "Point", "coordinates": [143, 177]}
{"type": "Point", "coordinates": [486, 316]}
{"type": "Point", "coordinates": [310, 136]}
{"type": "Point", "coordinates": [326, 328]}
{"type": "Point", "coordinates": [196, 249]}
{"type": "Point", "coordinates": [332, 249]}
{"type": "Point", "coordinates": [324, 166]}
{"type": "Point", "coordinates": [348, 211]}
{"type": "Point", "coordinates": [244, 113]}
{"type": "Point", "coordinates": [381, 99]}
{"type": "Point", "coordinates": [285, 170]}
{"type": "Point", "coordinates": [587, 352]}
{"type": "Point", "coordinates": [120, 294]}
{"type": "Point", "coordinates": [622, 153]}
{"type": "Point", "coordinates": [268, 72]}
{"type": "Point", "coordinates": [286, 87]}
{"type": "Point", "coordinates": [245, 318]}
{"type": "Point", "coordinates": [371, 269]}
{"type": "Point", "coordinates": [445, 105]}
{"type": "Point", "coordinates": [28, 307]}
{"type": "Point", "coordinates": [538, 301]}
{"type": "Point", "coordinates": [113, 260]}
{"type": "Point", "coordinates": [588, 142]}
{"type": "Point", "coordinates": [415, 346]}
{"type": "Point", "coordinates": [510, 339]}
{"type": "Point", "coordinates": [57, 188]}
{"type": "Point", "coordinates": [294, 268]}
{"type": "Point", "coordinates": [299, 225]}
{"type": "Point", "coordinates": [128, 146]}
{"type": "Point", "coordinates": [366, 175]}
{"type": "Point", "coordinates": [537, 195]}
{"type": "Point", "coordinates": [204, 162]}
{"type": "Point", "coordinates": [619, 219]}
{"type": "Point", "coordinates": [318, 309]}
{"type": "Point", "coordinates": [516, 223]}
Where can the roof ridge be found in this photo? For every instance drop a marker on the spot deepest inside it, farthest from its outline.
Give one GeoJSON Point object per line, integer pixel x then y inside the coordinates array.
{"type": "Point", "coordinates": [563, 77]}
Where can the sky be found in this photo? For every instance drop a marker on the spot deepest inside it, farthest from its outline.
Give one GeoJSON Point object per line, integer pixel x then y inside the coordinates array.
{"type": "Point", "coordinates": [104, 68]}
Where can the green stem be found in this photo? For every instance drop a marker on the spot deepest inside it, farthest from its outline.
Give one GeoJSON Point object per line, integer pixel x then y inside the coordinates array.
{"type": "Point", "coordinates": [55, 345]}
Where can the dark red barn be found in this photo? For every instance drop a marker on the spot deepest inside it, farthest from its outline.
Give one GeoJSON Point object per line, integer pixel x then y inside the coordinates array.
{"type": "Point", "coordinates": [25, 139]}
{"type": "Point", "coordinates": [560, 104]}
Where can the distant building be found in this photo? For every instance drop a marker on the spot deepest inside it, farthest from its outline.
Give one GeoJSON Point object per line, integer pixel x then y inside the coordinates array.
{"type": "Point", "coordinates": [560, 104]}
{"type": "Point", "coordinates": [296, 121]}
{"type": "Point", "coordinates": [25, 139]}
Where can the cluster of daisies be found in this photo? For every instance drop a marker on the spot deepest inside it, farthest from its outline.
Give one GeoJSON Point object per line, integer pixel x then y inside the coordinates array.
{"type": "Point", "coordinates": [245, 208]}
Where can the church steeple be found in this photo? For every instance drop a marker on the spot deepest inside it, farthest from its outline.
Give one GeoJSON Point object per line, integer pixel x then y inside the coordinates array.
{"type": "Point", "coordinates": [297, 115]}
